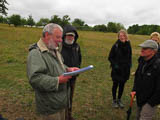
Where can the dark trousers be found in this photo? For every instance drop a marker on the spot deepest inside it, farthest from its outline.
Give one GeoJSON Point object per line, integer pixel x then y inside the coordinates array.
{"type": "Point", "coordinates": [115, 86]}
{"type": "Point", "coordinates": [72, 86]}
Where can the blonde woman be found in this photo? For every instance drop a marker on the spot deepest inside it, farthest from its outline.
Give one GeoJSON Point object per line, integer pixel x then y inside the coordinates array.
{"type": "Point", "coordinates": [120, 58]}
{"type": "Point", "coordinates": [156, 37]}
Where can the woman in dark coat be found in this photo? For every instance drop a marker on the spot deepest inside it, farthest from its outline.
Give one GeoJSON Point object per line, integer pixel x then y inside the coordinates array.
{"type": "Point", "coordinates": [120, 58]}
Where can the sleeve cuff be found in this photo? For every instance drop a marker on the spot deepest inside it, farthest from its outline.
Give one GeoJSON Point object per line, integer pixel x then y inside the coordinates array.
{"type": "Point", "coordinates": [57, 83]}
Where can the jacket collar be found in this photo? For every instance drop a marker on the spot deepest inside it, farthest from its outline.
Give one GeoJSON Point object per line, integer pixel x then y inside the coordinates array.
{"type": "Point", "coordinates": [42, 46]}
{"type": "Point", "coordinates": [149, 62]}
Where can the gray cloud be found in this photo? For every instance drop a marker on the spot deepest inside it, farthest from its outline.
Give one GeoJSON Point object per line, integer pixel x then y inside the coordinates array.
{"type": "Point", "coordinates": [127, 12]}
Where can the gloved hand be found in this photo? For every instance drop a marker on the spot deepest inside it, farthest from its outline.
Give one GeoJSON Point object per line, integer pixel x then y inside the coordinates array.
{"type": "Point", "coordinates": [64, 79]}
{"type": "Point", "coordinates": [133, 93]}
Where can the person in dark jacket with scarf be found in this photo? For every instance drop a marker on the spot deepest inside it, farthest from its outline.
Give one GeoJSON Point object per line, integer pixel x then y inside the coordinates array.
{"type": "Point", "coordinates": [147, 81]}
{"type": "Point", "coordinates": [72, 57]}
{"type": "Point", "coordinates": [120, 58]}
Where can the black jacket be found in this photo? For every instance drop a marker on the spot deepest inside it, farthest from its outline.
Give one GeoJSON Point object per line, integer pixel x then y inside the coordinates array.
{"type": "Point", "coordinates": [120, 58]}
{"type": "Point", "coordinates": [158, 52]}
{"type": "Point", "coordinates": [147, 82]}
{"type": "Point", "coordinates": [71, 53]}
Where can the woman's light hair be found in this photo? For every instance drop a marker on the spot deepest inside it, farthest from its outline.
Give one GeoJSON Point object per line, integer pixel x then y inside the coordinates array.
{"type": "Point", "coordinates": [155, 34]}
{"type": "Point", "coordinates": [50, 27]}
{"type": "Point", "coordinates": [123, 31]}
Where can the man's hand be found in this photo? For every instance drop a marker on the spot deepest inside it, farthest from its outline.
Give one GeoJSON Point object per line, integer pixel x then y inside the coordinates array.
{"type": "Point", "coordinates": [71, 69]}
{"type": "Point", "coordinates": [133, 73]}
{"type": "Point", "coordinates": [64, 79]}
{"type": "Point", "coordinates": [133, 93]}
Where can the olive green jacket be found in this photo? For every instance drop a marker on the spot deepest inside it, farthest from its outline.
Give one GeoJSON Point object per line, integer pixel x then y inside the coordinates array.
{"type": "Point", "coordinates": [43, 69]}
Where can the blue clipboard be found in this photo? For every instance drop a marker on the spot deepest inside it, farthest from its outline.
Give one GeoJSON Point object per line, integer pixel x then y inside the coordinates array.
{"type": "Point", "coordinates": [78, 71]}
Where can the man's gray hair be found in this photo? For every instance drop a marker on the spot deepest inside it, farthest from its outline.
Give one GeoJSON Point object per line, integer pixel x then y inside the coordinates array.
{"type": "Point", "coordinates": [50, 27]}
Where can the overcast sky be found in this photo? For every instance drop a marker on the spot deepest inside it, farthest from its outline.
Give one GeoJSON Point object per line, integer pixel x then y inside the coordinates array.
{"type": "Point", "coordinates": [93, 12]}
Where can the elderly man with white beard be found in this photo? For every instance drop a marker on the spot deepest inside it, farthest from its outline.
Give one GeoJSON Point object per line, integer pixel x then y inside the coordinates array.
{"type": "Point", "coordinates": [45, 70]}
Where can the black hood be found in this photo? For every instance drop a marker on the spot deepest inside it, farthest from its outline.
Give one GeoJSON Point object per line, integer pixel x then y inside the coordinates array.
{"type": "Point", "coordinates": [69, 28]}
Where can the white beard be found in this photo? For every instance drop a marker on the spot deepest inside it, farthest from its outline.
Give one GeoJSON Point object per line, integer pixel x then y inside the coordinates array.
{"type": "Point", "coordinates": [51, 44]}
{"type": "Point", "coordinates": [69, 42]}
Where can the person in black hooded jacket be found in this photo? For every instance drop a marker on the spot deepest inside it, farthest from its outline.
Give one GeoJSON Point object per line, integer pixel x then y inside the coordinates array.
{"type": "Point", "coordinates": [72, 57]}
{"type": "Point", "coordinates": [120, 58]}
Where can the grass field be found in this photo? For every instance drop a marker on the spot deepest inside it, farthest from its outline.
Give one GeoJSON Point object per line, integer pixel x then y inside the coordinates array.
{"type": "Point", "coordinates": [92, 100]}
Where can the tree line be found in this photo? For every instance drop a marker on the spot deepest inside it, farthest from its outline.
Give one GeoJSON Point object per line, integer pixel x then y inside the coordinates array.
{"type": "Point", "coordinates": [143, 29]}
{"type": "Point", "coordinates": [114, 27]}
{"type": "Point", "coordinates": [17, 20]}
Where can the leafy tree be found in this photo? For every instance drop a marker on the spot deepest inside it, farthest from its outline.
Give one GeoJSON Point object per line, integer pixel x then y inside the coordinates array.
{"type": "Point", "coordinates": [1, 19]}
{"type": "Point", "coordinates": [119, 26]}
{"type": "Point", "coordinates": [78, 23]}
{"type": "Point", "coordinates": [153, 28]}
{"type": "Point", "coordinates": [56, 19]}
{"type": "Point", "coordinates": [3, 7]}
{"type": "Point", "coordinates": [133, 29]}
{"type": "Point", "coordinates": [65, 20]}
{"type": "Point", "coordinates": [111, 27]}
{"type": "Point", "coordinates": [114, 27]}
{"type": "Point", "coordinates": [143, 29]}
{"type": "Point", "coordinates": [158, 29]}
{"type": "Point", "coordinates": [42, 22]}
{"type": "Point", "coordinates": [30, 21]}
{"type": "Point", "coordinates": [5, 20]}
{"type": "Point", "coordinates": [23, 21]}
{"type": "Point", "coordinates": [14, 19]}
{"type": "Point", "coordinates": [8, 20]}
{"type": "Point", "coordinates": [101, 28]}
{"type": "Point", "coordinates": [87, 28]}
{"type": "Point", "coordinates": [62, 22]}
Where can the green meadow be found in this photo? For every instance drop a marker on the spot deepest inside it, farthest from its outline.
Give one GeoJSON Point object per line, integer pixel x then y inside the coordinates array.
{"type": "Point", "coordinates": [92, 98]}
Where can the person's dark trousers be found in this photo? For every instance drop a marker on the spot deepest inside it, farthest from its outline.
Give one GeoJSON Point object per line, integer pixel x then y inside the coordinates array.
{"type": "Point", "coordinates": [117, 84]}
{"type": "Point", "coordinates": [72, 86]}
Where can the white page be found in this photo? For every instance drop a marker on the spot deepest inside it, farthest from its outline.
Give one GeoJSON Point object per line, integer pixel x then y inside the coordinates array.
{"type": "Point", "coordinates": [78, 71]}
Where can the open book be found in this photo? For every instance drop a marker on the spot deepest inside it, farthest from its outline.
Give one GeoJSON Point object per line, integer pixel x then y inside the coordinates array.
{"type": "Point", "coordinates": [78, 71]}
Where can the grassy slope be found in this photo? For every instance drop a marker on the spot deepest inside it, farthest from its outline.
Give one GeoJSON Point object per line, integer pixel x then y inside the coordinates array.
{"type": "Point", "coordinates": [92, 100]}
